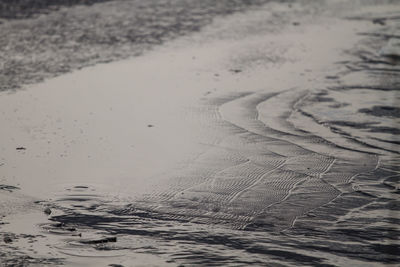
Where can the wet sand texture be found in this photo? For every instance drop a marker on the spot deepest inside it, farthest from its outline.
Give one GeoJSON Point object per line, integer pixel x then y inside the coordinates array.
{"type": "Point", "coordinates": [36, 47]}
{"type": "Point", "coordinates": [256, 172]}
{"type": "Point", "coordinates": [278, 146]}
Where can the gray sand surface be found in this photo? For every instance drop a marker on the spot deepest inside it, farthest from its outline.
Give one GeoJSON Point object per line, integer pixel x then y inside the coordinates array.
{"type": "Point", "coordinates": [234, 133]}
{"type": "Point", "coordinates": [50, 43]}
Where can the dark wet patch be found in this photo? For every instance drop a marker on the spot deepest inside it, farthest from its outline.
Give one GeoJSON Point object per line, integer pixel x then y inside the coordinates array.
{"type": "Point", "coordinates": [393, 179]}
{"type": "Point", "coordinates": [9, 188]}
{"type": "Point", "coordinates": [388, 130]}
{"type": "Point", "coordinates": [288, 255]}
{"type": "Point", "coordinates": [7, 239]}
{"type": "Point", "coordinates": [380, 21]}
{"type": "Point", "coordinates": [9, 256]}
{"type": "Point", "coordinates": [390, 141]}
{"type": "Point", "coordinates": [357, 125]}
{"type": "Point", "coordinates": [142, 226]}
{"type": "Point", "coordinates": [235, 70]}
{"type": "Point", "coordinates": [387, 249]}
{"type": "Point", "coordinates": [386, 205]}
{"type": "Point", "coordinates": [22, 9]}
{"type": "Point", "coordinates": [128, 30]}
{"type": "Point", "coordinates": [99, 241]}
{"type": "Point", "coordinates": [369, 59]}
{"type": "Point", "coordinates": [323, 99]}
{"type": "Point", "coordinates": [382, 111]}
{"type": "Point", "coordinates": [369, 126]}
{"type": "Point", "coordinates": [75, 199]}
{"type": "Point", "coordinates": [394, 87]}
{"type": "Point", "coordinates": [19, 259]}
{"type": "Point", "coordinates": [131, 222]}
{"type": "Point", "coordinates": [307, 238]}
{"type": "Point", "coordinates": [332, 77]}
{"type": "Point", "coordinates": [382, 35]}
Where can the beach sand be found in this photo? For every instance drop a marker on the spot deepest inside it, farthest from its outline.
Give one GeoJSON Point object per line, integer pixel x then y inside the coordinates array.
{"type": "Point", "coordinates": [270, 136]}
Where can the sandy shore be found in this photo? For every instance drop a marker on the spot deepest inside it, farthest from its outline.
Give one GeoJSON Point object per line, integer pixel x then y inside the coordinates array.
{"type": "Point", "coordinates": [44, 39]}
{"type": "Point", "coordinates": [269, 136]}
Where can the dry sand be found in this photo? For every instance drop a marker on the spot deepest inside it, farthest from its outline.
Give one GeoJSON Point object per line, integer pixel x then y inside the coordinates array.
{"type": "Point", "coordinates": [260, 139]}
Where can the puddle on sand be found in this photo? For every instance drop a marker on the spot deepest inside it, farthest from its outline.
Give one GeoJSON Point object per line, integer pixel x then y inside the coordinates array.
{"type": "Point", "coordinates": [217, 162]}
{"type": "Point", "coordinates": [92, 126]}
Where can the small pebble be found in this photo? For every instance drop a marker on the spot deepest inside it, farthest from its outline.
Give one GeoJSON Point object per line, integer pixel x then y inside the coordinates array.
{"type": "Point", "coordinates": [47, 211]}
{"type": "Point", "coordinates": [331, 77]}
{"type": "Point", "coordinates": [379, 21]}
{"type": "Point", "coordinates": [7, 239]}
{"type": "Point", "coordinates": [236, 70]}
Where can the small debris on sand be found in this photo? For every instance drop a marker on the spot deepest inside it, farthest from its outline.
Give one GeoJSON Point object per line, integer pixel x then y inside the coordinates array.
{"type": "Point", "coordinates": [21, 148]}
{"type": "Point", "coordinates": [7, 239]}
{"type": "Point", "coordinates": [8, 188]}
{"type": "Point", "coordinates": [150, 125]}
{"type": "Point", "coordinates": [100, 241]}
{"type": "Point", "coordinates": [47, 211]}
{"type": "Point", "coordinates": [235, 70]}
{"type": "Point", "coordinates": [331, 77]}
{"type": "Point", "coordinates": [380, 21]}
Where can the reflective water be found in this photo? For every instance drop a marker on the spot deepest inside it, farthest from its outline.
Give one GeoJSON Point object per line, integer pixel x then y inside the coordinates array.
{"type": "Point", "coordinates": [195, 156]}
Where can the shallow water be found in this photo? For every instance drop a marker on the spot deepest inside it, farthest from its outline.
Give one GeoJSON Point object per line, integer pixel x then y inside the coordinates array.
{"type": "Point", "coordinates": [217, 159]}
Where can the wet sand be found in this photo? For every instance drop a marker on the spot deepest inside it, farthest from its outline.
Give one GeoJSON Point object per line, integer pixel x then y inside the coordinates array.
{"type": "Point", "coordinates": [269, 137]}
